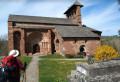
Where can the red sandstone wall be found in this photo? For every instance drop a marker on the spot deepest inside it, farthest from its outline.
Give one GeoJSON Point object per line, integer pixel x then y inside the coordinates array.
{"type": "Point", "coordinates": [44, 43]}
{"type": "Point", "coordinates": [71, 46]}
{"type": "Point", "coordinates": [41, 37]}
{"type": "Point", "coordinates": [75, 15]}
{"type": "Point", "coordinates": [92, 45]}
{"type": "Point", "coordinates": [58, 45]}
{"type": "Point", "coordinates": [11, 31]}
{"type": "Point", "coordinates": [10, 36]}
{"type": "Point", "coordinates": [65, 46]}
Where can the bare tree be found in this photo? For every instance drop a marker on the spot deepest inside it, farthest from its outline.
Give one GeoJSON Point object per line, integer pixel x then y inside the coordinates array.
{"type": "Point", "coordinates": [4, 37]}
{"type": "Point", "coordinates": [4, 44]}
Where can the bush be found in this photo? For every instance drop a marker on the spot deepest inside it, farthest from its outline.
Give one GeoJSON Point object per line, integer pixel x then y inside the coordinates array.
{"type": "Point", "coordinates": [79, 55]}
{"type": "Point", "coordinates": [92, 56]}
{"type": "Point", "coordinates": [69, 55]}
{"type": "Point", "coordinates": [105, 52]}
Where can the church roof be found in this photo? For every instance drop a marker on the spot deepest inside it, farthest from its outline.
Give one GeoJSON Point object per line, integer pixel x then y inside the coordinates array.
{"type": "Point", "coordinates": [33, 27]}
{"type": "Point", "coordinates": [75, 31]}
{"type": "Point", "coordinates": [75, 4]}
{"type": "Point", "coordinates": [43, 20]}
{"type": "Point", "coordinates": [90, 29]}
{"type": "Point", "coordinates": [66, 31]}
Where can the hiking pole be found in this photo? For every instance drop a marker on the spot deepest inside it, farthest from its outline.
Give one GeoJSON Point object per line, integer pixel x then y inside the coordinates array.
{"type": "Point", "coordinates": [24, 74]}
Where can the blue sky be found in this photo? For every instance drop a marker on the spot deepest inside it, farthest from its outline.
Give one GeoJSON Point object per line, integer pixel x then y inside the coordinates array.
{"type": "Point", "coordinates": [102, 15]}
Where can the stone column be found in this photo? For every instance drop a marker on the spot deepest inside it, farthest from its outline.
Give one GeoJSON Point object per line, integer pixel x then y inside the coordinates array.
{"type": "Point", "coordinates": [10, 37]}
{"type": "Point", "coordinates": [49, 42]}
{"type": "Point", "coordinates": [22, 43]}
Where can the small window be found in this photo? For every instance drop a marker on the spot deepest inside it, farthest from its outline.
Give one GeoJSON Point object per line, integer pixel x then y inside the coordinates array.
{"type": "Point", "coordinates": [57, 41]}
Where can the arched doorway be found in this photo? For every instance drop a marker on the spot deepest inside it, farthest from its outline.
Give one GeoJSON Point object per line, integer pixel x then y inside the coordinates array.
{"type": "Point", "coordinates": [36, 48]}
{"type": "Point", "coordinates": [17, 37]}
{"type": "Point", "coordinates": [82, 49]}
{"type": "Point", "coordinates": [32, 40]}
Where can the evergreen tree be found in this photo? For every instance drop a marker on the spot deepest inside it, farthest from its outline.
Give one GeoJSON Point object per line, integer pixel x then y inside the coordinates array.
{"type": "Point", "coordinates": [118, 1]}
{"type": "Point", "coordinates": [119, 32]}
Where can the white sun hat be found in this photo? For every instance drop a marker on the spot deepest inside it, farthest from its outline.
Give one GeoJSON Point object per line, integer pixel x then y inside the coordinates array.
{"type": "Point", "coordinates": [15, 53]}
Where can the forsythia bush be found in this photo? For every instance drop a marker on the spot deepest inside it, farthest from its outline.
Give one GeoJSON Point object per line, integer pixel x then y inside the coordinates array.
{"type": "Point", "coordinates": [105, 52]}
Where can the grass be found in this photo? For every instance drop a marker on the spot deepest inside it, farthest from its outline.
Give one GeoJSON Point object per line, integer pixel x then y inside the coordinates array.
{"type": "Point", "coordinates": [52, 56]}
{"type": "Point", "coordinates": [26, 59]}
{"type": "Point", "coordinates": [56, 70]}
{"type": "Point", "coordinates": [1, 59]}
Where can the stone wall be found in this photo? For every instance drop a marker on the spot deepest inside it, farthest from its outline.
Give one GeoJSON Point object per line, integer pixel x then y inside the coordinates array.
{"type": "Point", "coordinates": [98, 72]}
{"type": "Point", "coordinates": [29, 37]}
{"type": "Point", "coordinates": [39, 37]}
{"type": "Point", "coordinates": [57, 40]}
{"type": "Point", "coordinates": [49, 41]}
{"type": "Point", "coordinates": [72, 45]}
{"type": "Point", "coordinates": [75, 15]}
{"type": "Point", "coordinates": [11, 32]}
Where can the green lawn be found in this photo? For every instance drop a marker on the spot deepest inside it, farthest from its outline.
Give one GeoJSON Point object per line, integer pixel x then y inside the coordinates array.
{"type": "Point", "coordinates": [1, 59]}
{"type": "Point", "coordinates": [52, 56]}
{"type": "Point", "coordinates": [56, 70]}
{"type": "Point", "coordinates": [26, 59]}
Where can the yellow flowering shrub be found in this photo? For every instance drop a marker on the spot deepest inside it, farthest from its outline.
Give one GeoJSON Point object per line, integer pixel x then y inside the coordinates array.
{"type": "Point", "coordinates": [105, 52]}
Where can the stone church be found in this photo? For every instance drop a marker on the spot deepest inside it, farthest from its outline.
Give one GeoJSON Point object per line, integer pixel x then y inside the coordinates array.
{"type": "Point", "coordinates": [46, 35]}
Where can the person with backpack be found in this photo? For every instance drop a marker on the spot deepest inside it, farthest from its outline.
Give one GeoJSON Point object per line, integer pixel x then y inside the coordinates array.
{"type": "Point", "coordinates": [11, 67]}
{"type": "Point", "coordinates": [90, 59]}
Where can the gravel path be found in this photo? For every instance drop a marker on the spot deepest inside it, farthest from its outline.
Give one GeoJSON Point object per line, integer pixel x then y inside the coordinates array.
{"type": "Point", "coordinates": [32, 72]}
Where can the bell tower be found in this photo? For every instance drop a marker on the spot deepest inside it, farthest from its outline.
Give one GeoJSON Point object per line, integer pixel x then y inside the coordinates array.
{"type": "Point", "coordinates": [74, 13]}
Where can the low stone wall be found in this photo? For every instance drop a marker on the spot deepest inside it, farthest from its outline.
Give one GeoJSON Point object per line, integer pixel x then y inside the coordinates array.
{"type": "Point", "coordinates": [98, 72]}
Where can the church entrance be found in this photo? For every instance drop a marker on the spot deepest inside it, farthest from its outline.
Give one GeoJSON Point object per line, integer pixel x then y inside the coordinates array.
{"type": "Point", "coordinates": [82, 49]}
{"type": "Point", "coordinates": [36, 48]}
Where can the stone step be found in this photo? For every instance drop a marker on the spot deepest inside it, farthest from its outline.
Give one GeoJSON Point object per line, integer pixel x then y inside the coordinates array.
{"type": "Point", "coordinates": [99, 69]}
{"type": "Point", "coordinates": [97, 72]}
{"type": "Point", "coordinates": [70, 79]}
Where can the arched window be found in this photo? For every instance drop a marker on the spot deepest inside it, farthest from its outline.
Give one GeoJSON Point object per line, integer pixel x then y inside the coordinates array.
{"type": "Point", "coordinates": [57, 41]}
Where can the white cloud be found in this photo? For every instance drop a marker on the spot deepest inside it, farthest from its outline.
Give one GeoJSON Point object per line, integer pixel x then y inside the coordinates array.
{"type": "Point", "coordinates": [9, 7]}
{"type": "Point", "coordinates": [98, 19]}
{"type": "Point", "coordinates": [51, 9]}
{"type": "Point", "coordinates": [101, 19]}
